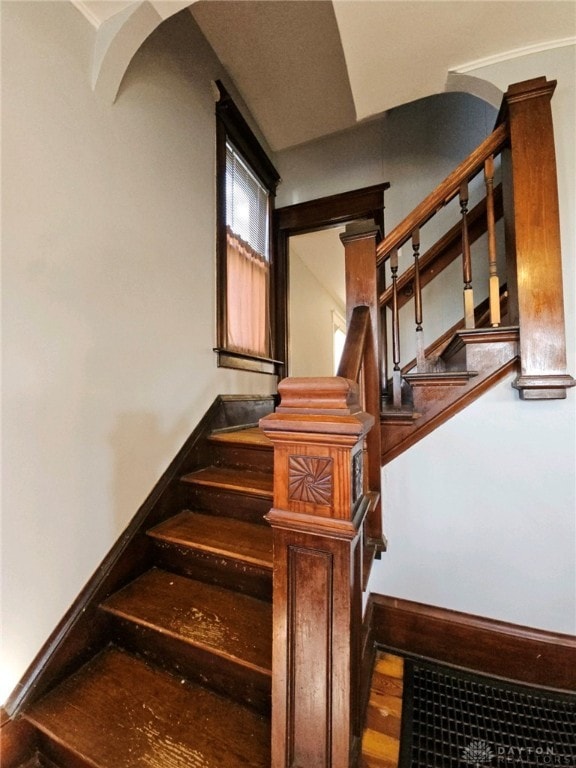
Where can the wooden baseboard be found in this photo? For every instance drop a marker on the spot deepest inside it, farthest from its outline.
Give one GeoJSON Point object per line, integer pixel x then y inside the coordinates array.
{"type": "Point", "coordinates": [510, 651]}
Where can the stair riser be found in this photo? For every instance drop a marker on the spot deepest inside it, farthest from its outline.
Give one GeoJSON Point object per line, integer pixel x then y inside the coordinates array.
{"type": "Point", "coordinates": [215, 569]}
{"type": "Point", "coordinates": [225, 676]}
{"type": "Point", "coordinates": [45, 762]}
{"type": "Point", "coordinates": [33, 762]}
{"type": "Point", "coordinates": [240, 506]}
{"type": "Point", "coordinates": [17, 743]}
{"type": "Point", "coordinates": [54, 755]}
{"type": "Point", "coordinates": [457, 360]}
{"type": "Point", "coordinates": [243, 457]}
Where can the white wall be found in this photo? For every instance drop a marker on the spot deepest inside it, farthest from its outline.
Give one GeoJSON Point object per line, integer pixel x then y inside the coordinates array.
{"type": "Point", "coordinates": [108, 244]}
{"type": "Point", "coordinates": [434, 134]}
{"type": "Point", "coordinates": [480, 515]}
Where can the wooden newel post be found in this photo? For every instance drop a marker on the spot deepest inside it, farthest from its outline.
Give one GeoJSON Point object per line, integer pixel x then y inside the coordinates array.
{"type": "Point", "coordinates": [533, 241]}
{"type": "Point", "coordinates": [317, 518]}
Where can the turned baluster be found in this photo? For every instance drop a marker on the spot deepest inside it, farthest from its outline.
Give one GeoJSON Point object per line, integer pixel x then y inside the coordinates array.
{"type": "Point", "coordinates": [396, 373]}
{"type": "Point", "coordinates": [494, 291]}
{"type": "Point", "coordinates": [420, 356]}
{"type": "Point", "coordinates": [466, 259]}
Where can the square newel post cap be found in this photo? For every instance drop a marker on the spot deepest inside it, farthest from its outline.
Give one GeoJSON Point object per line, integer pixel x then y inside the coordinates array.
{"type": "Point", "coordinates": [317, 433]}
{"type": "Point", "coordinates": [360, 230]}
{"type": "Point", "coordinates": [328, 405]}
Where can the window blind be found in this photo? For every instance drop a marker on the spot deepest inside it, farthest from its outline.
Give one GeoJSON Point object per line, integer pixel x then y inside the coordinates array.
{"type": "Point", "coordinates": [246, 203]}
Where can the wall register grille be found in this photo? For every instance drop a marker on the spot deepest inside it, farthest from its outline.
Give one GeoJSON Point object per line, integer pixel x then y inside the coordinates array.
{"type": "Point", "coordinates": [455, 719]}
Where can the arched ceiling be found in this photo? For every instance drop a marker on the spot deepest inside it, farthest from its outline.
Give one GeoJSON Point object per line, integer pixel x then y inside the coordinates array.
{"type": "Point", "coordinates": [308, 68]}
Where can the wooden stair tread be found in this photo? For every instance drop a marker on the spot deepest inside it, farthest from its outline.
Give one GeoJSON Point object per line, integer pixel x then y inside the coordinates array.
{"type": "Point", "coordinates": [222, 536]}
{"type": "Point", "coordinates": [502, 334]}
{"type": "Point", "coordinates": [383, 724]}
{"type": "Point", "coordinates": [403, 415]}
{"type": "Point", "coordinates": [227, 624]}
{"type": "Point", "coordinates": [117, 712]}
{"type": "Point", "coordinates": [240, 481]}
{"type": "Point", "coordinates": [440, 378]}
{"type": "Point", "coordinates": [250, 436]}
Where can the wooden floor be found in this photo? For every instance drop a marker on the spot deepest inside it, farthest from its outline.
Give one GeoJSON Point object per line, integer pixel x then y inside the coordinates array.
{"type": "Point", "coordinates": [381, 740]}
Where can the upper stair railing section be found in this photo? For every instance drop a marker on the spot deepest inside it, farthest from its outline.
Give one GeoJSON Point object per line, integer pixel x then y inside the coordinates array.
{"type": "Point", "coordinates": [326, 516]}
{"type": "Point", "coordinates": [523, 145]}
{"type": "Point", "coordinates": [429, 265]}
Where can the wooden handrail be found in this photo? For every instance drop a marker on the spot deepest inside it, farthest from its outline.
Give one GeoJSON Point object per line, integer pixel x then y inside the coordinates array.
{"type": "Point", "coordinates": [355, 344]}
{"type": "Point", "coordinates": [362, 292]}
{"type": "Point", "coordinates": [443, 193]}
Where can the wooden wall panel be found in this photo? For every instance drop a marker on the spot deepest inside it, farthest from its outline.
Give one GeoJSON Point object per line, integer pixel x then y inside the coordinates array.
{"type": "Point", "coordinates": [310, 622]}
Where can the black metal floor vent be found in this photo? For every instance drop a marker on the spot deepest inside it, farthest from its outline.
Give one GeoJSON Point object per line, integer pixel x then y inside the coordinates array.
{"type": "Point", "coordinates": [456, 719]}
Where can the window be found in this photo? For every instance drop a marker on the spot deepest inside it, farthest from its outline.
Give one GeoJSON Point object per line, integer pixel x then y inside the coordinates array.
{"type": "Point", "coordinates": [246, 187]}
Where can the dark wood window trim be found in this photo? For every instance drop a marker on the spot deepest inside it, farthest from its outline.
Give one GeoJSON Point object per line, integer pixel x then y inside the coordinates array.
{"type": "Point", "coordinates": [309, 216]}
{"type": "Point", "coordinates": [231, 125]}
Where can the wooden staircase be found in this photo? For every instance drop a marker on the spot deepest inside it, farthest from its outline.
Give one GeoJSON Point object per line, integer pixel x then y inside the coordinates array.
{"type": "Point", "coordinates": [183, 651]}
{"type": "Point", "coordinates": [184, 677]}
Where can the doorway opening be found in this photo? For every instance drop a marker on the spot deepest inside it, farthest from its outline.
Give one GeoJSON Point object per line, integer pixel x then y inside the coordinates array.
{"type": "Point", "coordinates": [310, 293]}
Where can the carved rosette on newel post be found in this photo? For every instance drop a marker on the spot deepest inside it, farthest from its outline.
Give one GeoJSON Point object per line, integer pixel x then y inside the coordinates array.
{"type": "Point", "coordinates": [319, 507]}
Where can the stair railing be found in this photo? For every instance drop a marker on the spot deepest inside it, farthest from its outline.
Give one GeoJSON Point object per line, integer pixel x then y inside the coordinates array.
{"type": "Point", "coordinates": [457, 241]}
{"type": "Point", "coordinates": [327, 527]}
{"type": "Point", "coordinates": [528, 197]}
{"type": "Point", "coordinates": [317, 519]}
{"type": "Point", "coordinates": [327, 454]}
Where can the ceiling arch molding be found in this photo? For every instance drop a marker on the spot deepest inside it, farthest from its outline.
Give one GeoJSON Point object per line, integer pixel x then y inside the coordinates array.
{"type": "Point", "coordinates": [362, 65]}
{"type": "Point", "coordinates": [474, 86]}
{"type": "Point", "coordinates": [119, 37]}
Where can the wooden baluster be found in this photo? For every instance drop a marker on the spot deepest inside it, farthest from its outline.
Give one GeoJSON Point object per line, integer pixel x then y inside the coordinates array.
{"type": "Point", "coordinates": [420, 347]}
{"type": "Point", "coordinates": [466, 259]}
{"type": "Point", "coordinates": [383, 312]}
{"type": "Point", "coordinates": [494, 290]}
{"type": "Point", "coordinates": [396, 373]}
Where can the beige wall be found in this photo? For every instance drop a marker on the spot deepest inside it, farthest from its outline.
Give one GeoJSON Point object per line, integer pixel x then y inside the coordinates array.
{"type": "Point", "coordinates": [311, 322]}
{"type": "Point", "coordinates": [108, 246]}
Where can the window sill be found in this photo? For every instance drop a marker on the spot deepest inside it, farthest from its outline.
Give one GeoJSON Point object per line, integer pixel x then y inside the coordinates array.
{"type": "Point", "coordinates": [244, 362]}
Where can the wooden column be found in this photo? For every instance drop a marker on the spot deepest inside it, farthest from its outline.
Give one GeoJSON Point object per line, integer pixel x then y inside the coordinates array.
{"type": "Point", "coordinates": [533, 241]}
{"type": "Point", "coordinates": [360, 241]}
{"type": "Point", "coordinates": [317, 518]}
